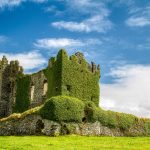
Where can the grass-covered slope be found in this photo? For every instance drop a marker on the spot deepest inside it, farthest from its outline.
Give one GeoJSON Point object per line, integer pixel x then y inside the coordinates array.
{"type": "Point", "coordinates": [69, 109]}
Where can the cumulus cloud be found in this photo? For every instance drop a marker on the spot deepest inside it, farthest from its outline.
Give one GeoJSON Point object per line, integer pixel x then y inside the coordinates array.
{"type": "Point", "coordinates": [96, 23]}
{"type": "Point", "coordinates": [96, 12]}
{"type": "Point", "coordinates": [9, 3]}
{"type": "Point", "coordinates": [29, 60]}
{"type": "Point", "coordinates": [13, 3]}
{"type": "Point", "coordinates": [130, 91]}
{"type": "Point", "coordinates": [138, 21]}
{"type": "Point", "coordinates": [88, 7]}
{"type": "Point", "coordinates": [140, 17]}
{"type": "Point", "coordinates": [57, 43]}
{"type": "Point", "coordinates": [48, 43]}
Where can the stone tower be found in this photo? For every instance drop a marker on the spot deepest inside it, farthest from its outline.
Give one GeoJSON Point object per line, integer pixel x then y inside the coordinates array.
{"type": "Point", "coordinates": [65, 75]}
{"type": "Point", "coordinates": [8, 75]}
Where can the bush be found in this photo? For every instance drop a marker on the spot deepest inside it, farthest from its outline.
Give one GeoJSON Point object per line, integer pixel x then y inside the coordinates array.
{"type": "Point", "coordinates": [63, 108]}
{"type": "Point", "coordinates": [108, 118]}
{"type": "Point", "coordinates": [147, 127]}
{"type": "Point", "coordinates": [91, 111]}
{"type": "Point", "coordinates": [125, 121]}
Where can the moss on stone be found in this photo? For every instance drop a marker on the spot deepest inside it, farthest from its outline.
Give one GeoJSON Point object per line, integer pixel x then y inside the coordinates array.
{"type": "Point", "coordinates": [22, 96]}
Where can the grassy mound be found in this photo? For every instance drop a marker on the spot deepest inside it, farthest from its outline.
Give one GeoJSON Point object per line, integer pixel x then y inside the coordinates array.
{"type": "Point", "coordinates": [113, 119]}
{"type": "Point", "coordinates": [69, 109]}
{"type": "Point", "coordinates": [63, 108]}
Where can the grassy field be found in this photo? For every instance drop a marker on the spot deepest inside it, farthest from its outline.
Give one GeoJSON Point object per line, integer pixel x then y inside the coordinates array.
{"type": "Point", "coordinates": [73, 143]}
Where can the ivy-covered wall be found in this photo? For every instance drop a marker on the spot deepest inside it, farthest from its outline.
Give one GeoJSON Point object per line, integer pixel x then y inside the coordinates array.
{"type": "Point", "coordinates": [65, 76]}
{"type": "Point", "coordinates": [78, 80]}
{"type": "Point", "coordinates": [53, 74]}
{"type": "Point", "coordinates": [22, 102]}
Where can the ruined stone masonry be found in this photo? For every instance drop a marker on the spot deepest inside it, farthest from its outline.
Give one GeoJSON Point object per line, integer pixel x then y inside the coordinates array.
{"type": "Point", "coordinates": [65, 75]}
{"type": "Point", "coordinates": [8, 74]}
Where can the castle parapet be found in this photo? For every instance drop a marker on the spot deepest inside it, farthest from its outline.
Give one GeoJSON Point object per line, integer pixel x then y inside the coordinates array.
{"type": "Point", "coordinates": [3, 63]}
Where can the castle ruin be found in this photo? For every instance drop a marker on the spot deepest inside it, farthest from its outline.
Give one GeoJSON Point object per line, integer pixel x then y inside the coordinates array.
{"type": "Point", "coordinates": [64, 75]}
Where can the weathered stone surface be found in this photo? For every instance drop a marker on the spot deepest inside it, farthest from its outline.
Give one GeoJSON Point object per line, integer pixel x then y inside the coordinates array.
{"type": "Point", "coordinates": [35, 125]}
{"type": "Point", "coordinates": [37, 81]}
{"type": "Point", "coordinates": [8, 74]}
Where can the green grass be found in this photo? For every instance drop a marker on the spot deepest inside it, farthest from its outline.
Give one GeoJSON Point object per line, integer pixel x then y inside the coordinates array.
{"type": "Point", "coordinates": [73, 143]}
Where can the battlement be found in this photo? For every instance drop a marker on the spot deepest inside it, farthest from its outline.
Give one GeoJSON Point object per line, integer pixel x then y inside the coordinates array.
{"type": "Point", "coordinates": [13, 66]}
{"type": "Point", "coordinates": [3, 63]}
{"type": "Point", "coordinates": [78, 58]}
{"type": "Point", "coordinates": [65, 75]}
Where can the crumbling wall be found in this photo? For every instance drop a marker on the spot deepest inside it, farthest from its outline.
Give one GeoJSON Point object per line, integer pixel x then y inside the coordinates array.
{"type": "Point", "coordinates": [8, 75]}
{"type": "Point", "coordinates": [5, 91]}
{"type": "Point", "coordinates": [37, 93]}
{"type": "Point", "coordinates": [53, 74]}
{"type": "Point", "coordinates": [0, 81]}
{"type": "Point", "coordinates": [35, 125]}
{"type": "Point", "coordinates": [64, 76]}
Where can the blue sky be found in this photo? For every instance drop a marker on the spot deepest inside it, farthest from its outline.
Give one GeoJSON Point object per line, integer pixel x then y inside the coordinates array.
{"type": "Point", "coordinates": [112, 33]}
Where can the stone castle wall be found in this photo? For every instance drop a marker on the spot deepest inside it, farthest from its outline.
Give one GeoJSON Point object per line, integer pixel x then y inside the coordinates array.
{"type": "Point", "coordinates": [35, 125]}
{"type": "Point", "coordinates": [64, 75]}
{"type": "Point", "coordinates": [8, 74]}
{"type": "Point", "coordinates": [37, 93]}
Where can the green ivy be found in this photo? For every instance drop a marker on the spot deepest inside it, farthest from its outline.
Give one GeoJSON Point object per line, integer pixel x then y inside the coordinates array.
{"type": "Point", "coordinates": [22, 96]}
{"type": "Point", "coordinates": [147, 127]}
{"type": "Point", "coordinates": [109, 118]}
{"type": "Point", "coordinates": [63, 108]}
{"type": "Point", "coordinates": [69, 77]}
{"type": "Point", "coordinates": [77, 80]}
{"type": "Point", "coordinates": [66, 76]}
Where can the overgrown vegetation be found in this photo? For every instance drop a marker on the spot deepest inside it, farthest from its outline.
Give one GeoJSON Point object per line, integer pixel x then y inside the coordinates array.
{"type": "Point", "coordinates": [77, 80]}
{"type": "Point", "coordinates": [72, 78]}
{"type": "Point", "coordinates": [69, 77]}
{"type": "Point", "coordinates": [147, 126]}
{"type": "Point", "coordinates": [63, 108]}
{"type": "Point", "coordinates": [109, 118]}
{"type": "Point", "coordinates": [22, 96]}
{"type": "Point", "coordinates": [53, 75]}
{"type": "Point", "coordinates": [69, 109]}
{"type": "Point", "coordinates": [22, 115]}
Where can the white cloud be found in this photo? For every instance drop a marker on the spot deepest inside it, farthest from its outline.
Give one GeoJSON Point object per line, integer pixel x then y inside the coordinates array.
{"type": "Point", "coordinates": [138, 21]}
{"type": "Point", "coordinates": [57, 43]}
{"type": "Point", "coordinates": [130, 92]}
{"type": "Point", "coordinates": [39, 1]}
{"type": "Point", "coordinates": [29, 60]}
{"type": "Point", "coordinates": [97, 16]}
{"type": "Point", "coordinates": [140, 17]}
{"type": "Point", "coordinates": [9, 3]}
{"type": "Point", "coordinates": [48, 43]}
{"type": "Point", "coordinates": [87, 7]}
{"type": "Point", "coordinates": [96, 23]}
{"type": "Point", "coordinates": [13, 3]}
